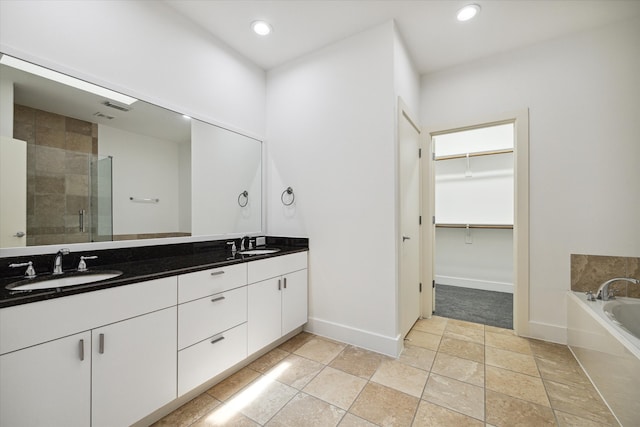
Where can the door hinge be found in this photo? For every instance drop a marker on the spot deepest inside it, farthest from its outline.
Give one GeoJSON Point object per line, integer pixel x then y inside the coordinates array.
{"type": "Point", "coordinates": [433, 156]}
{"type": "Point", "coordinates": [433, 220]}
{"type": "Point", "coordinates": [433, 284]}
{"type": "Point", "coordinates": [419, 153]}
{"type": "Point", "coordinates": [421, 287]}
{"type": "Point", "coordinates": [420, 220]}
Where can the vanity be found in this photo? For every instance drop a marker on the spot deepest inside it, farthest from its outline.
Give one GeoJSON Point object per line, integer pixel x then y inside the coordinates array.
{"type": "Point", "coordinates": [112, 352]}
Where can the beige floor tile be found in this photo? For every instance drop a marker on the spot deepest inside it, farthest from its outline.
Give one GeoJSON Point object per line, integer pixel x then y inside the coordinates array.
{"type": "Point", "coordinates": [231, 385]}
{"type": "Point", "coordinates": [336, 387]}
{"type": "Point", "coordinates": [433, 415]}
{"type": "Point", "coordinates": [459, 396]}
{"type": "Point", "coordinates": [550, 351]}
{"type": "Point", "coordinates": [221, 417]}
{"type": "Point", "coordinates": [581, 401]}
{"type": "Point", "coordinates": [351, 420]}
{"type": "Point", "coordinates": [261, 400]}
{"type": "Point", "coordinates": [507, 411]}
{"type": "Point", "coordinates": [402, 377]}
{"type": "Point", "coordinates": [497, 330]}
{"type": "Point", "coordinates": [190, 412]}
{"type": "Point", "coordinates": [358, 361]}
{"type": "Point", "coordinates": [435, 325]}
{"type": "Point", "coordinates": [569, 420]}
{"type": "Point", "coordinates": [516, 385]}
{"type": "Point", "coordinates": [296, 342]}
{"type": "Point", "coordinates": [459, 369]}
{"type": "Point", "coordinates": [423, 339]}
{"type": "Point", "coordinates": [418, 357]}
{"type": "Point", "coordinates": [320, 350]}
{"type": "Point", "coordinates": [461, 331]}
{"type": "Point", "coordinates": [268, 360]}
{"type": "Point", "coordinates": [465, 324]}
{"type": "Point", "coordinates": [464, 349]}
{"type": "Point", "coordinates": [295, 371]}
{"type": "Point", "coordinates": [511, 360]}
{"type": "Point", "coordinates": [568, 372]}
{"type": "Point", "coordinates": [507, 342]}
{"type": "Point", "coordinates": [305, 410]}
{"type": "Point", "coordinates": [385, 406]}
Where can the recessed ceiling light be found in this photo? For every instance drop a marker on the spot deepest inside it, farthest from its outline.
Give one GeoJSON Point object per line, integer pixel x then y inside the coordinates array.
{"type": "Point", "coordinates": [468, 12]}
{"type": "Point", "coordinates": [261, 28]}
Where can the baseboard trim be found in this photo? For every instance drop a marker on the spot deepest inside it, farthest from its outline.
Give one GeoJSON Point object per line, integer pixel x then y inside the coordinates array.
{"type": "Point", "coordinates": [547, 332]}
{"type": "Point", "coordinates": [484, 285]}
{"type": "Point", "coordinates": [391, 346]}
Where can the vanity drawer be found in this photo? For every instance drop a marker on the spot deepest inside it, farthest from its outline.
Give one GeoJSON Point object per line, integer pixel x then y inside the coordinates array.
{"type": "Point", "coordinates": [208, 282]}
{"type": "Point", "coordinates": [208, 358]}
{"type": "Point", "coordinates": [207, 316]}
{"type": "Point", "coordinates": [272, 267]}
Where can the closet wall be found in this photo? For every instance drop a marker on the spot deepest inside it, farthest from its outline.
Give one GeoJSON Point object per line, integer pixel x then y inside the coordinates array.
{"type": "Point", "coordinates": [474, 208]}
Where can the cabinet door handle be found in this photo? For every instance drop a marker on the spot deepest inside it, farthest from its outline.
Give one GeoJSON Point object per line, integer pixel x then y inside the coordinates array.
{"type": "Point", "coordinates": [279, 284]}
{"type": "Point", "coordinates": [217, 299]}
{"type": "Point", "coordinates": [285, 283]}
{"type": "Point", "coordinates": [215, 340]}
{"type": "Point", "coordinates": [101, 344]}
{"type": "Point", "coordinates": [81, 348]}
{"type": "Point", "coordinates": [217, 273]}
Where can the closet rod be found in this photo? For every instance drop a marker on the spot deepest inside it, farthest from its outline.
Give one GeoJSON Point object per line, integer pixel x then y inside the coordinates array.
{"type": "Point", "coordinates": [496, 226]}
{"type": "Point", "coordinates": [479, 153]}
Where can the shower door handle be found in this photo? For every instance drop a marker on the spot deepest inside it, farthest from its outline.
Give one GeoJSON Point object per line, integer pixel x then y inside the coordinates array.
{"type": "Point", "coordinates": [81, 213]}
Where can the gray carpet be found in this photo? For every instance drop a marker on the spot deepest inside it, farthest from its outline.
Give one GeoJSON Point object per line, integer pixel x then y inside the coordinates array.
{"type": "Point", "coordinates": [475, 305]}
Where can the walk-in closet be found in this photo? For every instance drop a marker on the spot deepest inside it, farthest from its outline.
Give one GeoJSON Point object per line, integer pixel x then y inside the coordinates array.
{"type": "Point", "coordinates": [474, 211]}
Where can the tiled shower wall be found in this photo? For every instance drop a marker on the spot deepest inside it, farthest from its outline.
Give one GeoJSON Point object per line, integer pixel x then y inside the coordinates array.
{"type": "Point", "coordinates": [59, 150]}
{"type": "Point", "coordinates": [588, 272]}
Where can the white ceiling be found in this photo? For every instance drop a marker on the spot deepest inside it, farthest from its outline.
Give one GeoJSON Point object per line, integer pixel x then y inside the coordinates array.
{"type": "Point", "coordinates": [433, 36]}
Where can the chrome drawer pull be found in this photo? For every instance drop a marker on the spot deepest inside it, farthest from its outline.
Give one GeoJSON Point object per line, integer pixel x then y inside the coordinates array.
{"type": "Point", "coordinates": [279, 284]}
{"type": "Point", "coordinates": [101, 344]}
{"type": "Point", "coordinates": [217, 299]}
{"type": "Point", "coordinates": [217, 273]}
{"type": "Point", "coordinates": [217, 340]}
{"type": "Point", "coordinates": [285, 283]}
{"type": "Point", "coordinates": [81, 345]}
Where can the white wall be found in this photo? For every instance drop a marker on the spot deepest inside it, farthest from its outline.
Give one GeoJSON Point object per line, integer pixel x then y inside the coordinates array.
{"type": "Point", "coordinates": [143, 167]}
{"type": "Point", "coordinates": [142, 48]}
{"type": "Point", "coordinates": [582, 94]}
{"type": "Point", "coordinates": [330, 136]}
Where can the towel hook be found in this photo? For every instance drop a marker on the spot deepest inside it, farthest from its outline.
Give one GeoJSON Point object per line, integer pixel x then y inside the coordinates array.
{"type": "Point", "coordinates": [290, 192]}
{"type": "Point", "coordinates": [244, 194]}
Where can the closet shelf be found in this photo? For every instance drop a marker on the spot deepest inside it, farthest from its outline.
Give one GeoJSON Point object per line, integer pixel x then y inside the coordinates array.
{"type": "Point", "coordinates": [477, 154]}
{"type": "Point", "coordinates": [493, 226]}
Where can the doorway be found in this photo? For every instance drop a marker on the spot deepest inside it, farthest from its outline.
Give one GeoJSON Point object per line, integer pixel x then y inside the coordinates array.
{"type": "Point", "coordinates": [473, 220]}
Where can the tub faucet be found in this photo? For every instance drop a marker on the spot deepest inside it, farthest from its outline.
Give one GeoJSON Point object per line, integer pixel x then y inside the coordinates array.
{"type": "Point", "coordinates": [57, 261]}
{"type": "Point", "coordinates": [603, 290]}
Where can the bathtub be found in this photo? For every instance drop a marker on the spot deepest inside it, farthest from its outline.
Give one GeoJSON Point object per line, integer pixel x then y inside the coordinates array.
{"type": "Point", "coordinates": [600, 335]}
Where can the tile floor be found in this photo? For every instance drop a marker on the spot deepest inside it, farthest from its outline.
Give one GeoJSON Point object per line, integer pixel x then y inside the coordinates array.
{"type": "Point", "coordinates": [451, 373]}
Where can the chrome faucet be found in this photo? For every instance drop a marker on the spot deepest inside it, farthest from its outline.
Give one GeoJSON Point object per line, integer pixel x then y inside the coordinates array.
{"type": "Point", "coordinates": [57, 261]}
{"type": "Point", "coordinates": [603, 290]}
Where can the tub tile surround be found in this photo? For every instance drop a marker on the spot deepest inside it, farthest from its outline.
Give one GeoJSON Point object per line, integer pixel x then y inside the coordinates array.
{"type": "Point", "coordinates": [508, 381]}
{"type": "Point", "coordinates": [137, 264]}
{"type": "Point", "coordinates": [588, 272]}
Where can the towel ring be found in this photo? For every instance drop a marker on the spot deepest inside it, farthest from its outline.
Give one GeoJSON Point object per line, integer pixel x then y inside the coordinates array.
{"type": "Point", "coordinates": [289, 191]}
{"type": "Point", "coordinates": [244, 194]}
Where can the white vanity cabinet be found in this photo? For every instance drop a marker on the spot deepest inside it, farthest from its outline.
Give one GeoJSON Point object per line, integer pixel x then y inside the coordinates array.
{"type": "Point", "coordinates": [54, 370]}
{"type": "Point", "coordinates": [212, 330]}
{"type": "Point", "coordinates": [47, 384]}
{"type": "Point", "coordinates": [277, 298]}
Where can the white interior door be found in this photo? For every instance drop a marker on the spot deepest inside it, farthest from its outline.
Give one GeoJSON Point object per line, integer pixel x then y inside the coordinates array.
{"type": "Point", "coordinates": [409, 164]}
{"type": "Point", "coordinates": [13, 192]}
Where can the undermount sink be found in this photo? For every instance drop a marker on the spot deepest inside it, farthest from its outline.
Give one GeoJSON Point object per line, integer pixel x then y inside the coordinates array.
{"type": "Point", "coordinates": [61, 281]}
{"type": "Point", "coordinates": [259, 251]}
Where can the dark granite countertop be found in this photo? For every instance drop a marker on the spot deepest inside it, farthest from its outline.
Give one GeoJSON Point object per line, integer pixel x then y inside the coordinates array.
{"type": "Point", "coordinates": [137, 264]}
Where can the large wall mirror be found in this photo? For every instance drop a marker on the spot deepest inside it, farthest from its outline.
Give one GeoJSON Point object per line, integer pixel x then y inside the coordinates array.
{"type": "Point", "coordinates": [81, 164]}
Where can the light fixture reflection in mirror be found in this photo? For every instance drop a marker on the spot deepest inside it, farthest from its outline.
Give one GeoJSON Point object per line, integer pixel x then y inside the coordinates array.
{"type": "Point", "coordinates": [61, 128]}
